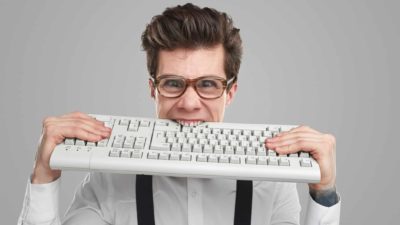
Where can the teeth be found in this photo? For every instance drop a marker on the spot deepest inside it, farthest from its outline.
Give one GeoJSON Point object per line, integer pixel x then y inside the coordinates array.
{"type": "Point", "coordinates": [191, 124]}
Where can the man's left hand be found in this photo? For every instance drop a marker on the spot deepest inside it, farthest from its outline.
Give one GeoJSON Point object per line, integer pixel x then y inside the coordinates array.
{"type": "Point", "coordinates": [322, 147]}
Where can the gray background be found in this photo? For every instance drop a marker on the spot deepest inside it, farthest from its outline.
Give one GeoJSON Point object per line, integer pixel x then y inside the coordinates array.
{"type": "Point", "coordinates": [331, 65]}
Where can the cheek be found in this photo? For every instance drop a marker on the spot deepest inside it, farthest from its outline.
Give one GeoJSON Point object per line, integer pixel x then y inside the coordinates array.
{"type": "Point", "coordinates": [216, 109]}
{"type": "Point", "coordinates": [164, 106]}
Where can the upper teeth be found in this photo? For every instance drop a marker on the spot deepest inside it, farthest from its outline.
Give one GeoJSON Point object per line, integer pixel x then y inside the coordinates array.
{"type": "Point", "coordinates": [187, 123]}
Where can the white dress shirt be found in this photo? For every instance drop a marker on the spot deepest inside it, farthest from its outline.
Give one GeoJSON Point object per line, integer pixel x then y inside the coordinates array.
{"type": "Point", "coordinates": [104, 198]}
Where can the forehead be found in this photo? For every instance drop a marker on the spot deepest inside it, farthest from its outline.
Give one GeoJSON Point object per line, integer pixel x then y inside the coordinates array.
{"type": "Point", "coordinates": [192, 63]}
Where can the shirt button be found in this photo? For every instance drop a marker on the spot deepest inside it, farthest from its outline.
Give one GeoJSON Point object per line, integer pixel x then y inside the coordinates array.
{"type": "Point", "coordinates": [194, 194]}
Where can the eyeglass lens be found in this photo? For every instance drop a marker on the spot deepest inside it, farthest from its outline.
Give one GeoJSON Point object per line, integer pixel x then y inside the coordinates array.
{"type": "Point", "coordinates": [206, 87]}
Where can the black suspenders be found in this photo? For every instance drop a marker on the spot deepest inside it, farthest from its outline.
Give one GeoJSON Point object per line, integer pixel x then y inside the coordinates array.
{"type": "Point", "coordinates": [144, 200]}
{"type": "Point", "coordinates": [244, 197]}
{"type": "Point", "coordinates": [145, 207]}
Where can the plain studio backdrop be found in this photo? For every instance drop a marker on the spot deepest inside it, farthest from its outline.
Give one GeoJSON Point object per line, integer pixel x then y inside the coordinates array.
{"type": "Point", "coordinates": [331, 65]}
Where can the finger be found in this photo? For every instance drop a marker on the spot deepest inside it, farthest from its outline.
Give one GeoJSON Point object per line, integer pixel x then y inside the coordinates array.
{"type": "Point", "coordinates": [274, 145]}
{"type": "Point", "coordinates": [82, 134]}
{"type": "Point", "coordinates": [290, 135]}
{"type": "Point", "coordinates": [78, 114]}
{"type": "Point", "coordinates": [89, 126]}
{"type": "Point", "coordinates": [304, 128]}
{"type": "Point", "coordinates": [302, 145]}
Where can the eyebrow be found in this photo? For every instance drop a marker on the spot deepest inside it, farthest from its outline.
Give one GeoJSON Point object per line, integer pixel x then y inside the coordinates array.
{"type": "Point", "coordinates": [205, 75]}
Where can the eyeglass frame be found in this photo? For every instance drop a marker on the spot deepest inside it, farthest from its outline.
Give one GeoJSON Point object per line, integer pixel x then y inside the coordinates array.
{"type": "Point", "coordinates": [226, 84]}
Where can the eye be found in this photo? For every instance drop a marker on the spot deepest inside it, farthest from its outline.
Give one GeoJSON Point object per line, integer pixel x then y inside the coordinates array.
{"type": "Point", "coordinates": [208, 84]}
{"type": "Point", "coordinates": [173, 83]}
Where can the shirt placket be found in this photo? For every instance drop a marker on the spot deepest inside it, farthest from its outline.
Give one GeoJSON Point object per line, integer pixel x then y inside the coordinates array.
{"type": "Point", "coordinates": [195, 203]}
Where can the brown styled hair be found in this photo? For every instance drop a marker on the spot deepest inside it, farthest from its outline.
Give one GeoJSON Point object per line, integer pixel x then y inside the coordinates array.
{"type": "Point", "coordinates": [190, 26]}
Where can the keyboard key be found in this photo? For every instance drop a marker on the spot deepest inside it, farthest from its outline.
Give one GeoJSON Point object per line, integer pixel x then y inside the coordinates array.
{"type": "Point", "coordinates": [102, 143]}
{"type": "Point", "coordinates": [229, 150]}
{"type": "Point", "coordinates": [304, 155]}
{"type": "Point", "coordinates": [235, 159]}
{"type": "Point", "coordinates": [170, 134]}
{"type": "Point", "coordinates": [305, 162]}
{"type": "Point", "coordinates": [80, 143]}
{"type": "Point", "coordinates": [158, 134]}
{"type": "Point", "coordinates": [213, 158]}
{"type": "Point", "coordinates": [186, 157]}
{"type": "Point", "coordinates": [126, 153]}
{"type": "Point", "coordinates": [284, 162]}
{"type": "Point", "coordinates": [272, 161]}
{"type": "Point", "coordinates": [161, 123]}
{"type": "Point", "coordinates": [186, 147]}
{"type": "Point", "coordinates": [171, 140]}
{"type": "Point", "coordinates": [129, 143]}
{"type": "Point", "coordinates": [271, 153]}
{"type": "Point", "coordinates": [145, 123]}
{"type": "Point", "coordinates": [92, 144]}
{"type": "Point", "coordinates": [175, 156]}
{"type": "Point", "coordinates": [136, 153]}
{"type": "Point", "coordinates": [176, 147]}
{"type": "Point", "coordinates": [133, 127]}
{"type": "Point", "coordinates": [202, 158]}
{"type": "Point", "coordinates": [140, 143]}
{"type": "Point", "coordinates": [250, 151]}
{"type": "Point", "coordinates": [124, 122]}
{"type": "Point", "coordinates": [114, 152]}
{"type": "Point", "coordinates": [159, 146]}
{"type": "Point", "coordinates": [251, 160]}
{"type": "Point", "coordinates": [152, 155]}
{"type": "Point", "coordinates": [207, 149]}
{"type": "Point", "coordinates": [69, 141]}
{"type": "Point", "coordinates": [197, 148]}
{"type": "Point", "coordinates": [164, 156]}
{"type": "Point", "coordinates": [261, 151]}
{"type": "Point", "coordinates": [239, 151]}
{"type": "Point", "coordinates": [224, 159]}
{"type": "Point", "coordinates": [218, 149]}
{"type": "Point", "coordinates": [262, 160]}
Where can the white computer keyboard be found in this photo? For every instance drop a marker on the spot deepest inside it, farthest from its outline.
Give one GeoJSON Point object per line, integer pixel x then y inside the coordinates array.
{"type": "Point", "coordinates": [164, 147]}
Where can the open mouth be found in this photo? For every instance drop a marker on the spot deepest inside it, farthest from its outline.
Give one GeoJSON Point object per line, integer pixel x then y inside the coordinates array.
{"type": "Point", "coordinates": [191, 123]}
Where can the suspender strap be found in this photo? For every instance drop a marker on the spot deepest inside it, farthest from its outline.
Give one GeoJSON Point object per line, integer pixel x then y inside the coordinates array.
{"type": "Point", "coordinates": [144, 200]}
{"type": "Point", "coordinates": [145, 205]}
{"type": "Point", "coordinates": [244, 198]}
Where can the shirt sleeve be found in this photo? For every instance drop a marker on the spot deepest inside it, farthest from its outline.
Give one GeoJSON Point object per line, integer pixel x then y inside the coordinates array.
{"type": "Point", "coordinates": [40, 205]}
{"type": "Point", "coordinates": [321, 215]}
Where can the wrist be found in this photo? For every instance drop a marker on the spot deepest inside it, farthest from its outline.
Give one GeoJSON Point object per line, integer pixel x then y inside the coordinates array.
{"type": "Point", "coordinates": [43, 175]}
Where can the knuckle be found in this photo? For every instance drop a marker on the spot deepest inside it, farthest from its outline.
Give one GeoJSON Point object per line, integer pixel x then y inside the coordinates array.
{"type": "Point", "coordinates": [50, 130]}
{"type": "Point", "coordinates": [47, 120]}
{"type": "Point", "coordinates": [76, 113]}
{"type": "Point", "coordinates": [301, 142]}
{"type": "Point", "coordinates": [330, 138]}
{"type": "Point", "coordinates": [304, 127]}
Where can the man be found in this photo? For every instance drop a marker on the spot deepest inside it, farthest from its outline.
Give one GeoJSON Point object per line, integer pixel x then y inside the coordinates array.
{"type": "Point", "coordinates": [190, 51]}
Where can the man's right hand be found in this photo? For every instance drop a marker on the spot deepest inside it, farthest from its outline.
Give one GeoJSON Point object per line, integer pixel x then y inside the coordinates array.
{"type": "Point", "coordinates": [55, 130]}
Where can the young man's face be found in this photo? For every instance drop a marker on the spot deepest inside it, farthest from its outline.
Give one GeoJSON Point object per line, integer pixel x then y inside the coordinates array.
{"type": "Point", "coordinates": [190, 108]}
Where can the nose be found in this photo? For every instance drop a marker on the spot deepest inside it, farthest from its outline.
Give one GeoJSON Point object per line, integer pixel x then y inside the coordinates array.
{"type": "Point", "coordinates": [190, 100]}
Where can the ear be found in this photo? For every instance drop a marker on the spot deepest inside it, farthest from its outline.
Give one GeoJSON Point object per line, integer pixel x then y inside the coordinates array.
{"type": "Point", "coordinates": [231, 94]}
{"type": "Point", "coordinates": [152, 89]}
